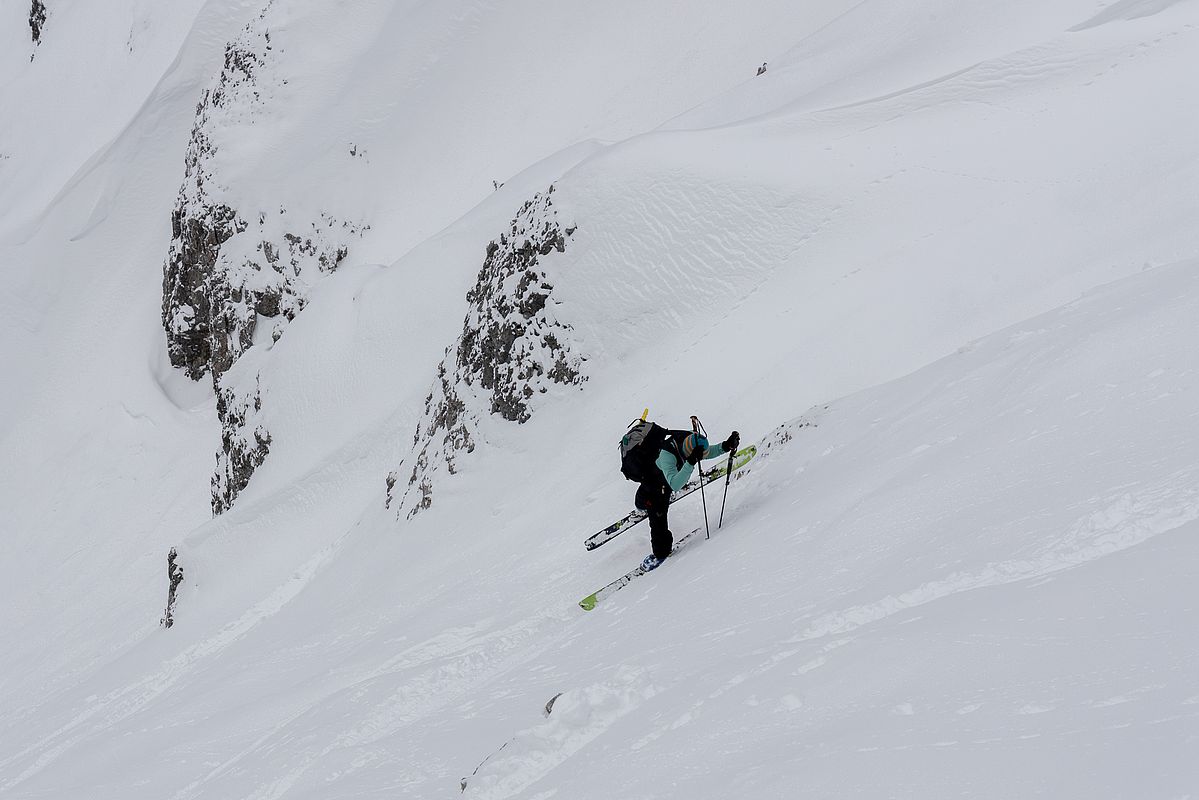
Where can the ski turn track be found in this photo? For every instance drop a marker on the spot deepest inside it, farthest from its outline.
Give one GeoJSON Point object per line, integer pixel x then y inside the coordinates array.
{"type": "Point", "coordinates": [1128, 520]}
{"type": "Point", "coordinates": [126, 701]}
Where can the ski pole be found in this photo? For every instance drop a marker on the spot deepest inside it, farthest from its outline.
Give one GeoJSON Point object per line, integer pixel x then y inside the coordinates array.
{"type": "Point", "coordinates": [728, 476]}
{"type": "Point", "coordinates": [697, 426]}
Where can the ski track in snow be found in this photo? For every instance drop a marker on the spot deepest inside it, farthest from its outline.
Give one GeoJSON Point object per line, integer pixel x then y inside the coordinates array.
{"type": "Point", "coordinates": [1127, 521]}
{"type": "Point", "coordinates": [413, 685]}
{"type": "Point", "coordinates": [126, 701]}
{"type": "Point", "coordinates": [579, 716]}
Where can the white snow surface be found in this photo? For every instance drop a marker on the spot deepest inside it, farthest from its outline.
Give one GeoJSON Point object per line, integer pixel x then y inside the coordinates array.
{"type": "Point", "coordinates": [940, 263]}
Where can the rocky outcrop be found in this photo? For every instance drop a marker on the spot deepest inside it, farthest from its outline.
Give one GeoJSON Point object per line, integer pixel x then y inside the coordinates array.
{"type": "Point", "coordinates": [235, 276]}
{"type": "Point", "coordinates": [37, 20]}
{"type": "Point", "coordinates": [245, 444]}
{"type": "Point", "coordinates": [174, 578]}
{"type": "Point", "coordinates": [512, 349]}
{"type": "Point", "coordinates": [227, 266]}
{"type": "Point", "coordinates": [188, 295]}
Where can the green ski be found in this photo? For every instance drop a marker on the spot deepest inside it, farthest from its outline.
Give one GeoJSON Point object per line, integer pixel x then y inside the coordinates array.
{"type": "Point", "coordinates": [589, 602]}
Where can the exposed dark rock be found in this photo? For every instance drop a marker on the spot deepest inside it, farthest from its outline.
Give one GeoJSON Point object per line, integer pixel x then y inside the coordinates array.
{"type": "Point", "coordinates": [512, 347]}
{"type": "Point", "coordinates": [784, 433]}
{"type": "Point", "coordinates": [390, 482]}
{"type": "Point", "coordinates": [187, 285]}
{"type": "Point", "coordinates": [494, 348]}
{"type": "Point", "coordinates": [174, 578]}
{"type": "Point", "coordinates": [37, 20]}
{"type": "Point", "coordinates": [244, 446]}
{"type": "Point", "coordinates": [203, 334]}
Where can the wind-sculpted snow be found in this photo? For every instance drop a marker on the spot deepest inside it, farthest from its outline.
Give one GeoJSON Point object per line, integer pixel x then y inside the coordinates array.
{"type": "Point", "coordinates": [513, 347]}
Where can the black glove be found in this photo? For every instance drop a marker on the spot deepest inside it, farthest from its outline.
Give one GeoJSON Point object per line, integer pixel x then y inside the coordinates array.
{"type": "Point", "coordinates": [732, 443]}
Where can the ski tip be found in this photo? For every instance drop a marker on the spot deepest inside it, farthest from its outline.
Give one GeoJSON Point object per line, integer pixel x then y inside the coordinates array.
{"type": "Point", "coordinates": [588, 602]}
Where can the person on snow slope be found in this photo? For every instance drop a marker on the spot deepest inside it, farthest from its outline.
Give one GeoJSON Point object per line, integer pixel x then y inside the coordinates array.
{"type": "Point", "coordinates": [678, 453]}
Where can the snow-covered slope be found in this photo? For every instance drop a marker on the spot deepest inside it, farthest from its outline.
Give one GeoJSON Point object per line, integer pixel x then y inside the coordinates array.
{"type": "Point", "coordinates": [958, 565]}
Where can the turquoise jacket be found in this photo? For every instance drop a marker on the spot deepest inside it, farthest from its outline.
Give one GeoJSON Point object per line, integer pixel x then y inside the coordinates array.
{"type": "Point", "coordinates": [667, 462]}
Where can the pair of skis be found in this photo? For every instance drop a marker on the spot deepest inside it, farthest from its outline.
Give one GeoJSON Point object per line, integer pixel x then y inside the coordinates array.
{"type": "Point", "coordinates": [609, 533]}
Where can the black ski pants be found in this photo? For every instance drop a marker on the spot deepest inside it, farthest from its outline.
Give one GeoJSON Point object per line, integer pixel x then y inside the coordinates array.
{"type": "Point", "coordinates": [654, 497]}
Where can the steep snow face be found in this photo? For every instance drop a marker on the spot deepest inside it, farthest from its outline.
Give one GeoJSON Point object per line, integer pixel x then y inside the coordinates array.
{"type": "Point", "coordinates": [95, 65]}
{"type": "Point", "coordinates": [106, 454]}
{"type": "Point", "coordinates": [982, 563]}
{"type": "Point", "coordinates": [370, 116]}
{"type": "Point", "coordinates": [853, 242]}
{"type": "Point", "coordinates": [929, 576]}
{"type": "Point", "coordinates": [305, 140]}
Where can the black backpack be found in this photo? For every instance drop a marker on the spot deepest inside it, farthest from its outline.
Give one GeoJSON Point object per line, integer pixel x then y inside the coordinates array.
{"type": "Point", "coordinates": [640, 446]}
{"type": "Point", "coordinates": [639, 449]}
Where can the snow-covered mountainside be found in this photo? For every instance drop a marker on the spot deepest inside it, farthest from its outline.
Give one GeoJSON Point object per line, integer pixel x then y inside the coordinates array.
{"type": "Point", "coordinates": [319, 324]}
